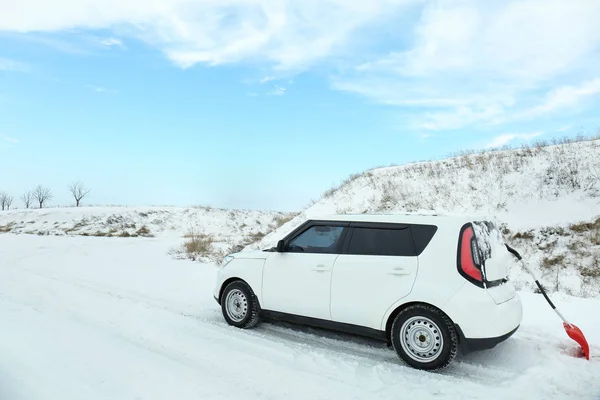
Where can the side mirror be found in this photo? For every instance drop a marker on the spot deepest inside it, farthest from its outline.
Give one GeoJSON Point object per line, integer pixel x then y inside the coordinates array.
{"type": "Point", "coordinates": [280, 246]}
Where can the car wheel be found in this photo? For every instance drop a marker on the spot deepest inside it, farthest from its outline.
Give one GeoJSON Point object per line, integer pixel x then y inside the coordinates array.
{"type": "Point", "coordinates": [239, 305]}
{"type": "Point", "coordinates": [424, 337]}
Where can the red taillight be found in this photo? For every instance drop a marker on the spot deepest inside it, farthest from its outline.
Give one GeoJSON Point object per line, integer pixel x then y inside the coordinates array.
{"type": "Point", "coordinates": [466, 263]}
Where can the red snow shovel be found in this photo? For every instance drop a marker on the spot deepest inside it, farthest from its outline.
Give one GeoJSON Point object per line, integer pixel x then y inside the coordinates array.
{"type": "Point", "coordinates": [573, 331]}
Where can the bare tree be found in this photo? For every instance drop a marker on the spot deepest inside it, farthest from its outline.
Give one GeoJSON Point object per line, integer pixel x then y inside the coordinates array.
{"type": "Point", "coordinates": [41, 194]}
{"type": "Point", "coordinates": [3, 197]}
{"type": "Point", "coordinates": [8, 200]}
{"type": "Point", "coordinates": [78, 191]}
{"type": "Point", "coordinates": [27, 198]}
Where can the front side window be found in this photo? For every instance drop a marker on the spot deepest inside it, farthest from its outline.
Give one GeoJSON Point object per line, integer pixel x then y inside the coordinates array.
{"type": "Point", "coordinates": [381, 242]}
{"type": "Point", "coordinates": [317, 239]}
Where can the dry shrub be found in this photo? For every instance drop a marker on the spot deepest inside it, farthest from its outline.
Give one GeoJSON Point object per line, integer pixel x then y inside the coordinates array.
{"type": "Point", "coordinates": [247, 241]}
{"type": "Point", "coordinates": [197, 244]}
{"type": "Point", "coordinates": [591, 272]}
{"type": "Point", "coordinates": [585, 226]}
{"type": "Point", "coordinates": [548, 262]}
{"type": "Point", "coordinates": [78, 225]}
{"type": "Point", "coordinates": [7, 228]}
{"type": "Point", "coordinates": [330, 192]}
{"type": "Point", "coordinates": [575, 245]}
{"type": "Point", "coordinates": [282, 219]}
{"type": "Point", "coordinates": [256, 236]}
{"type": "Point", "coordinates": [144, 231]}
{"type": "Point", "coordinates": [527, 235]}
{"type": "Point", "coordinates": [595, 237]}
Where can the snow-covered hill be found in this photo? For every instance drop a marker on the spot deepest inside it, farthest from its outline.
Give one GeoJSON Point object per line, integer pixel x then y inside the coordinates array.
{"type": "Point", "coordinates": [224, 228]}
{"type": "Point", "coordinates": [545, 197]}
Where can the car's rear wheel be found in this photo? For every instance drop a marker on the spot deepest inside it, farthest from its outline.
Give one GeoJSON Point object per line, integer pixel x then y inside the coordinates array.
{"type": "Point", "coordinates": [239, 305]}
{"type": "Point", "coordinates": [424, 337]}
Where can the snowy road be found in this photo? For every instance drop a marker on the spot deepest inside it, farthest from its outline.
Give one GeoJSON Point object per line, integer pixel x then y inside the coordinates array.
{"type": "Point", "coordinates": [112, 318]}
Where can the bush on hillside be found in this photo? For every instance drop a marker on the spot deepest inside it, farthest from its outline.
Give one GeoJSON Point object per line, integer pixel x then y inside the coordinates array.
{"type": "Point", "coordinates": [197, 244]}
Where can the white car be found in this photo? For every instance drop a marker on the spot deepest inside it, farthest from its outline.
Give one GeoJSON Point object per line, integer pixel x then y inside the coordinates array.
{"type": "Point", "coordinates": [427, 284]}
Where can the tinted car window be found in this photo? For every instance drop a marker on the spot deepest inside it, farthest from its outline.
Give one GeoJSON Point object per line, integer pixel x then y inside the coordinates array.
{"type": "Point", "coordinates": [381, 242]}
{"type": "Point", "coordinates": [422, 235]}
{"type": "Point", "coordinates": [317, 239]}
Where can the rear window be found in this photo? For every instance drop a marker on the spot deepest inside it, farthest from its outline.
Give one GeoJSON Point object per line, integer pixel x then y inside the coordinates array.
{"type": "Point", "coordinates": [381, 242]}
{"type": "Point", "coordinates": [489, 240]}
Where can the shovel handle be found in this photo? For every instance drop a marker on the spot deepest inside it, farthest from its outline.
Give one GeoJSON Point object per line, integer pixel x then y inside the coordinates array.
{"type": "Point", "coordinates": [516, 254]}
{"type": "Point", "coordinates": [513, 252]}
{"type": "Point", "coordinates": [537, 282]}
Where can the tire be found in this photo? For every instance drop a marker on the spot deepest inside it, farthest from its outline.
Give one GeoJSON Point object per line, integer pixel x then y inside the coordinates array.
{"type": "Point", "coordinates": [424, 337]}
{"type": "Point", "coordinates": [239, 305]}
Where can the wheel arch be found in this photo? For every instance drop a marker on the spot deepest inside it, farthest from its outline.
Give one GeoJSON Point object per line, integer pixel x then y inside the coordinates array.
{"type": "Point", "coordinates": [231, 280]}
{"type": "Point", "coordinates": [397, 310]}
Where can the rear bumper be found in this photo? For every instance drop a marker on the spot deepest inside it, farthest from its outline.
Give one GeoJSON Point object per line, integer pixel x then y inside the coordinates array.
{"type": "Point", "coordinates": [469, 345]}
{"type": "Point", "coordinates": [480, 318]}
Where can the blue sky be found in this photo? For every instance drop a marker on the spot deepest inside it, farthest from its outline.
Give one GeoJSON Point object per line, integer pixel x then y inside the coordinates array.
{"type": "Point", "coordinates": [266, 104]}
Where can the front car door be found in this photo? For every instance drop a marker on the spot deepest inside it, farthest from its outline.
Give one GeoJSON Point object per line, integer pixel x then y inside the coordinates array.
{"type": "Point", "coordinates": [298, 280]}
{"type": "Point", "coordinates": [378, 268]}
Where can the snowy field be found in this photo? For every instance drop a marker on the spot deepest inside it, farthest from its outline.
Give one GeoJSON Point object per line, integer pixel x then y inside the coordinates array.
{"type": "Point", "coordinates": [223, 224]}
{"type": "Point", "coordinates": [106, 318]}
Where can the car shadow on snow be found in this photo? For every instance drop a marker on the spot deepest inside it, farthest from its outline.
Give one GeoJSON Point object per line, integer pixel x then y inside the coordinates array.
{"type": "Point", "coordinates": [500, 364]}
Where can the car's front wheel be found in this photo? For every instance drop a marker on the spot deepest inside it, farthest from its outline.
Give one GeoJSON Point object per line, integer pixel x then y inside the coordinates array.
{"type": "Point", "coordinates": [424, 337]}
{"type": "Point", "coordinates": [239, 305]}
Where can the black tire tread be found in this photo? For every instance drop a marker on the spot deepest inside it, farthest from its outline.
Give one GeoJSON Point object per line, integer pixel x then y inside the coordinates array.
{"type": "Point", "coordinates": [253, 306]}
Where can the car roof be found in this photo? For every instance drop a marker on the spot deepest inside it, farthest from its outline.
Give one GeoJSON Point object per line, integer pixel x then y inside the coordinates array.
{"type": "Point", "coordinates": [407, 218]}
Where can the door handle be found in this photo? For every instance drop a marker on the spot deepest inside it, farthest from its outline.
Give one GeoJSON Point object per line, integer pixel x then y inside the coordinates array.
{"type": "Point", "coordinates": [320, 268]}
{"type": "Point", "coordinates": [399, 271]}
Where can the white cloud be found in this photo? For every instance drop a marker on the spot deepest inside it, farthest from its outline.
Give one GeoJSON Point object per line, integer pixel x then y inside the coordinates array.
{"type": "Point", "coordinates": [100, 89]}
{"type": "Point", "coordinates": [267, 79]}
{"type": "Point", "coordinates": [277, 91]}
{"type": "Point", "coordinates": [459, 63]}
{"type": "Point", "coordinates": [474, 62]}
{"type": "Point", "coordinates": [112, 42]}
{"type": "Point", "coordinates": [506, 138]}
{"type": "Point", "coordinates": [10, 140]}
{"type": "Point", "coordinates": [565, 128]}
{"type": "Point", "coordinates": [459, 117]}
{"type": "Point", "coordinates": [14, 66]}
{"type": "Point", "coordinates": [567, 96]}
{"type": "Point", "coordinates": [291, 35]}
{"type": "Point", "coordinates": [496, 109]}
{"type": "Point", "coordinates": [514, 40]}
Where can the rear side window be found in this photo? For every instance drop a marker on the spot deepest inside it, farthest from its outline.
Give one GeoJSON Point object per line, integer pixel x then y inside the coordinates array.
{"type": "Point", "coordinates": [422, 235]}
{"type": "Point", "coordinates": [381, 242]}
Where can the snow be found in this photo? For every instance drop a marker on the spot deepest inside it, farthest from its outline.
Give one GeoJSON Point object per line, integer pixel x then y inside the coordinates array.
{"type": "Point", "coordinates": [164, 221]}
{"type": "Point", "coordinates": [113, 318]}
{"type": "Point", "coordinates": [525, 188]}
{"type": "Point", "coordinates": [541, 189]}
{"type": "Point", "coordinates": [226, 227]}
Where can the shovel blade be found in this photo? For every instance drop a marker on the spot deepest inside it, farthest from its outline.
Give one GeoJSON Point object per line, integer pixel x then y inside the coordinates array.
{"type": "Point", "coordinates": [575, 333]}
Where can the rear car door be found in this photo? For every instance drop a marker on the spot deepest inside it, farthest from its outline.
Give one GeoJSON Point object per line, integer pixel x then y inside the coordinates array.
{"type": "Point", "coordinates": [298, 280]}
{"type": "Point", "coordinates": [377, 268]}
